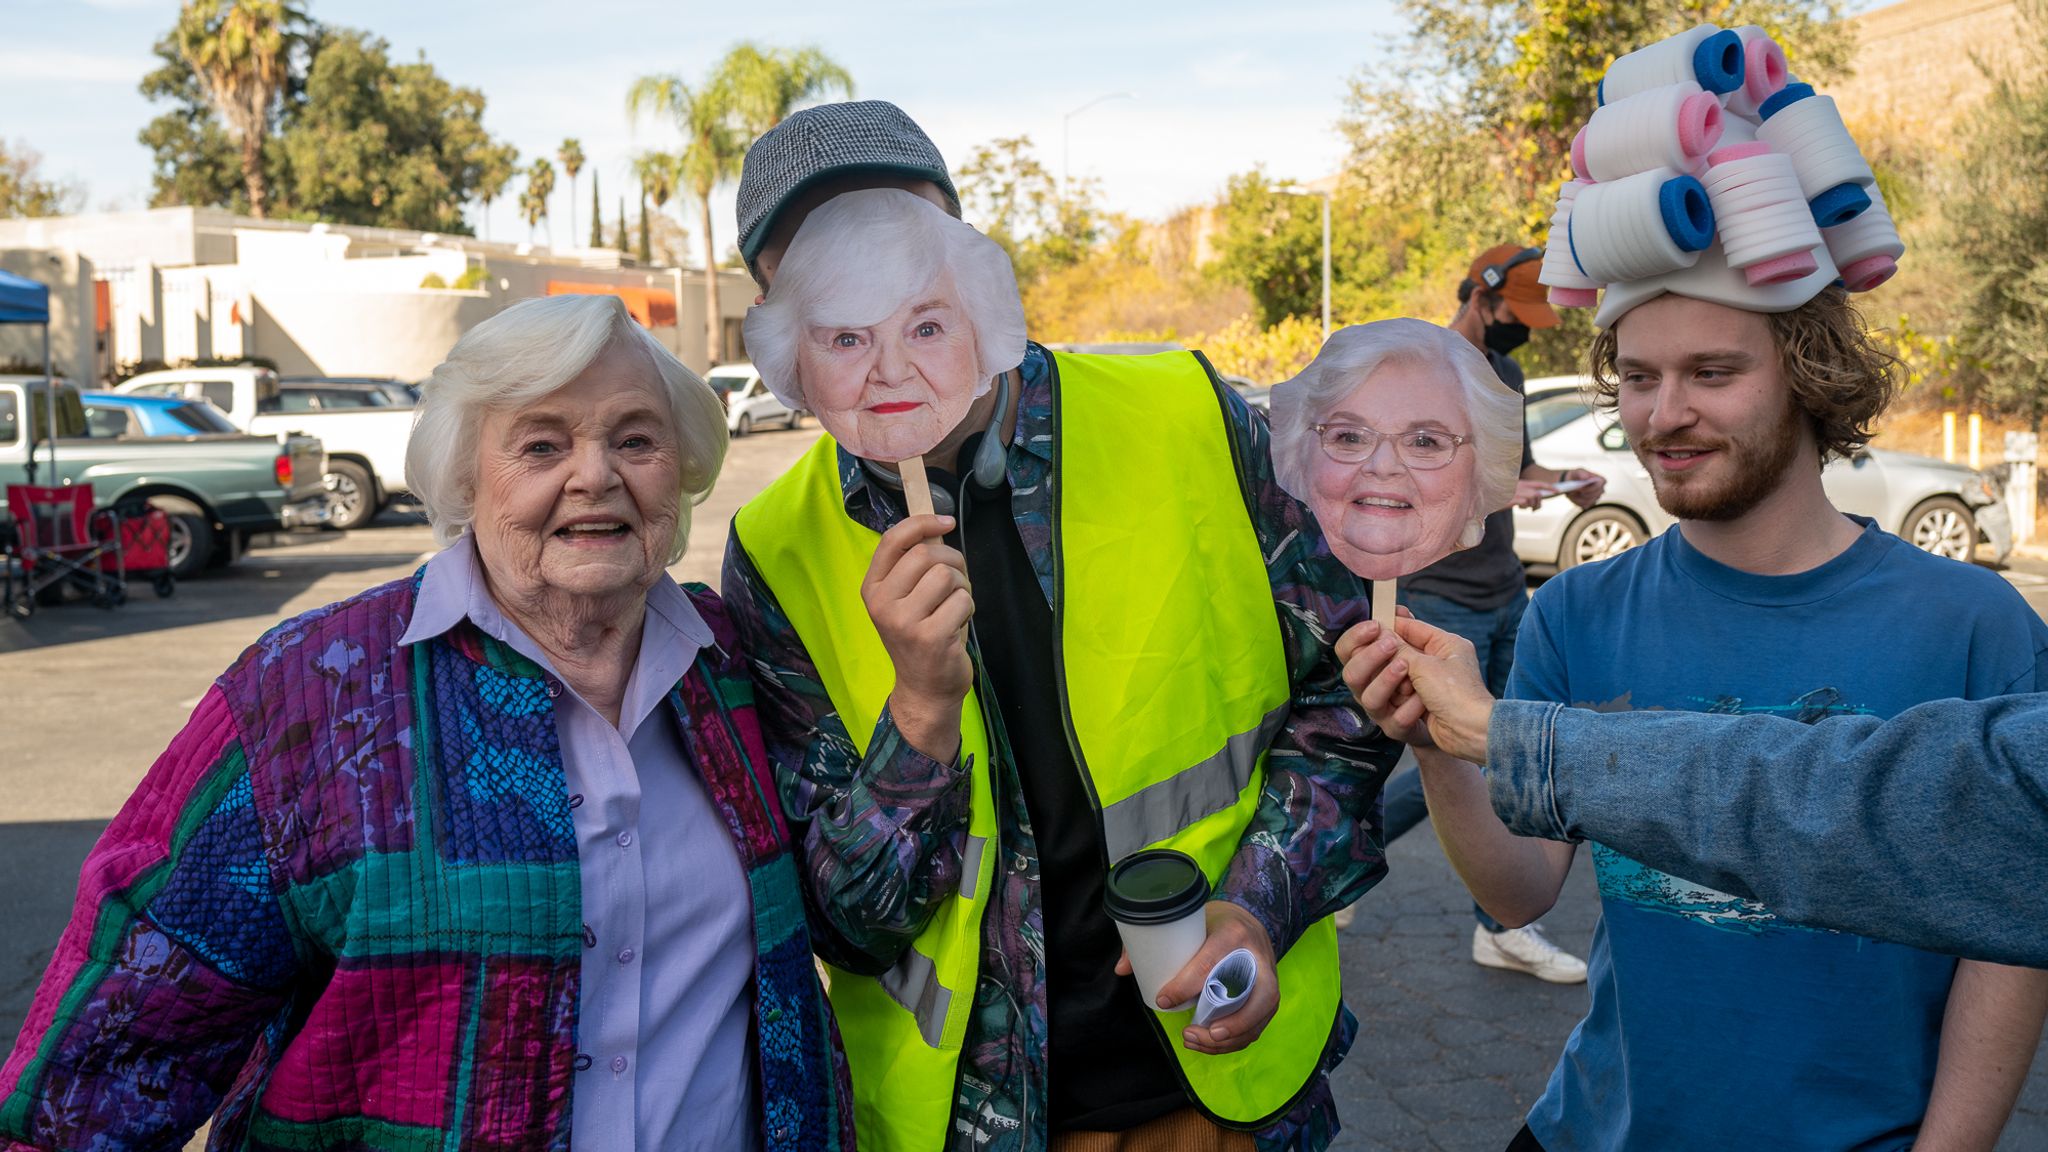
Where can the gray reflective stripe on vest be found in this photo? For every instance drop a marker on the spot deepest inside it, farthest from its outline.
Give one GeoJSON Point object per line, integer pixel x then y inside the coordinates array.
{"type": "Point", "coordinates": [970, 866]}
{"type": "Point", "coordinates": [1201, 789]}
{"type": "Point", "coordinates": [914, 983]}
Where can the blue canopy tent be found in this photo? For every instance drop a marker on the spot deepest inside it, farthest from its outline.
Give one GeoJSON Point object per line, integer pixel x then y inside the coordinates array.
{"type": "Point", "coordinates": [25, 301]}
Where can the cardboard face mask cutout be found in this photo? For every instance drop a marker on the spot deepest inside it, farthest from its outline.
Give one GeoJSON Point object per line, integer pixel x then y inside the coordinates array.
{"type": "Point", "coordinates": [1401, 440]}
{"type": "Point", "coordinates": [887, 318]}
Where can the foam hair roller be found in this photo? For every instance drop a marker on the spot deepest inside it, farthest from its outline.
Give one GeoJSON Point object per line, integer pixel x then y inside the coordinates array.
{"type": "Point", "coordinates": [1569, 287]}
{"type": "Point", "coordinates": [1706, 55]}
{"type": "Point", "coordinates": [1736, 129]}
{"type": "Point", "coordinates": [1763, 71]}
{"type": "Point", "coordinates": [1766, 229]}
{"type": "Point", "coordinates": [1832, 172]}
{"type": "Point", "coordinates": [1674, 126]}
{"type": "Point", "coordinates": [1639, 226]}
{"type": "Point", "coordinates": [1866, 249]}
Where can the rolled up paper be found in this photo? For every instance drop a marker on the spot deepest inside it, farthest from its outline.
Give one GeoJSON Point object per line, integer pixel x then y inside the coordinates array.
{"type": "Point", "coordinates": [1764, 223]}
{"type": "Point", "coordinates": [1641, 226]}
{"type": "Point", "coordinates": [1866, 249]}
{"type": "Point", "coordinates": [1569, 287]}
{"type": "Point", "coordinates": [1705, 55]}
{"type": "Point", "coordinates": [1833, 175]}
{"type": "Point", "coordinates": [1228, 986]}
{"type": "Point", "coordinates": [1763, 71]}
{"type": "Point", "coordinates": [1674, 126]}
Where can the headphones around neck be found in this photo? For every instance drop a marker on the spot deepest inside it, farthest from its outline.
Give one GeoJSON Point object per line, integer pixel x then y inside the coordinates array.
{"type": "Point", "coordinates": [1493, 276]}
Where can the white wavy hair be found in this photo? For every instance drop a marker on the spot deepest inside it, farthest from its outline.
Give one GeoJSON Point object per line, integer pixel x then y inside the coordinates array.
{"type": "Point", "coordinates": [862, 255]}
{"type": "Point", "coordinates": [524, 353]}
{"type": "Point", "coordinates": [1351, 356]}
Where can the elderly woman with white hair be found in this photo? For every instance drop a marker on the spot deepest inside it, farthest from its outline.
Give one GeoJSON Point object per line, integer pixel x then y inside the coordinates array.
{"type": "Point", "coordinates": [432, 864]}
{"type": "Point", "coordinates": [1401, 440]}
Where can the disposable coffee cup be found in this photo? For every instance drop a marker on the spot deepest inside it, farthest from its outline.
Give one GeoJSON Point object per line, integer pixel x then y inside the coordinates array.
{"type": "Point", "coordinates": [1156, 898]}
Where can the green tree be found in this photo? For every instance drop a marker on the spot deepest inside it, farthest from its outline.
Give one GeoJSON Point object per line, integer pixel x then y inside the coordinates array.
{"type": "Point", "coordinates": [1011, 197]}
{"type": "Point", "coordinates": [533, 203]}
{"type": "Point", "coordinates": [571, 156]}
{"type": "Point", "coordinates": [710, 156]}
{"type": "Point", "coordinates": [619, 241]}
{"type": "Point", "coordinates": [764, 85]}
{"type": "Point", "coordinates": [242, 52]}
{"type": "Point", "coordinates": [1999, 227]}
{"type": "Point", "coordinates": [24, 191]}
{"type": "Point", "coordinates": [596, 214]}
{"type": "Point", "coordinates": [193, 160]}
{"type": "Point", "coordinates": [496, 165]}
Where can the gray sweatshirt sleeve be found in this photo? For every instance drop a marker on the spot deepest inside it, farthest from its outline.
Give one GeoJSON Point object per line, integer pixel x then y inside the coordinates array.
{"type": "Point", "coordinates": [1929, 829]}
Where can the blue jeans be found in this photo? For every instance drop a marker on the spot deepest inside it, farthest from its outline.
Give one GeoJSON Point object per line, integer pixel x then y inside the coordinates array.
{"type": "Point", "coordinates": [1492, 633]}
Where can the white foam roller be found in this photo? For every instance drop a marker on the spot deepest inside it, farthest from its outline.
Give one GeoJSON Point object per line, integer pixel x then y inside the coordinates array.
{"type": "Point", "coordinates": [1619, 230]}
{"type": "Point", "coordinates": [1674, 126]}
{"type": "Point", "coordinates": [1569, 287]}
{"type": "Point", "coordinates": [1762, 218]}
{"type": "Point", "coordinates": [1715, 66]}
{"type": "Point", "coordinates": [1866, 249]}
{"type": "Point", "coordinates": [1811, 132]}
{"type": "Point", "coordinates": [1764, 71]}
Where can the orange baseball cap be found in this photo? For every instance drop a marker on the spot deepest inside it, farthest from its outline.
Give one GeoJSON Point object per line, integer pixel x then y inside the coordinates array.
{"type": "Point", "coordinates": [1510, 272]}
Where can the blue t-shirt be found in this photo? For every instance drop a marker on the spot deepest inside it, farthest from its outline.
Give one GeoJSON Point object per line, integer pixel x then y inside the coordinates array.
{"type": "Point", "coordinates": [1713, 1024]}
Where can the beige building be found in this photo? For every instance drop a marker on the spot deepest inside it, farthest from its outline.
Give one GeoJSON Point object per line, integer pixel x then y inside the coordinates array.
{"type": "Point", "coordinates": [172, 285]}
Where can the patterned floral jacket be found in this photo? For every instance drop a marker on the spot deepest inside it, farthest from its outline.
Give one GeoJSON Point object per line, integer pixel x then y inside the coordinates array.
{"type": "Point", "coordinates": [343, 911]}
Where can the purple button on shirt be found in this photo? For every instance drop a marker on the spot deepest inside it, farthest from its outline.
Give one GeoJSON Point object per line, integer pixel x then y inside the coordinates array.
{"type": "Point", "coordinates": [670, 1064]}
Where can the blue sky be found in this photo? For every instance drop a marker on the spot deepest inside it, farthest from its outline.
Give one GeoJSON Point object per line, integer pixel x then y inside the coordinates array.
{"type": "Point", "coordinates": [1220, 86]}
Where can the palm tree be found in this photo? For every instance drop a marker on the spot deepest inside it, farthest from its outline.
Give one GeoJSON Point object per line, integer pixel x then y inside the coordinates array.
{"type": "Point", "coordinates": [769, 83]}
{"type": "Point", "coordinates": [241, 51]}
{"type": "Point", "coordinates": [571, 156]}
{"type": "Point", "coordinates": [596, 214]}
{"type": "Point", "coordinates": [533, 203]}
{"type": "Point", "coordinates": [495, 166]}
{"type": "Point", "coordinates": [710, 156]}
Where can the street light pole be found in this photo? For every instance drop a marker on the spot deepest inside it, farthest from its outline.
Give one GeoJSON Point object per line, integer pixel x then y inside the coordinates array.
{"type": "Point", "coordinates": [1066, 133]}
{"type": "Point", "coordinates": [1327, 196]}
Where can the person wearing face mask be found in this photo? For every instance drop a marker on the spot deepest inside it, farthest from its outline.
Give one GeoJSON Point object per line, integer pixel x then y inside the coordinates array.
{"type": "Point", "coordinates": [1479, 592]}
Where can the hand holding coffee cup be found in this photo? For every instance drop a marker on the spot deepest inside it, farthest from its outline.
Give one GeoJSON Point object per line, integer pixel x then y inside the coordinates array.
{"type": "Point", "coordinates": [1174, 936]}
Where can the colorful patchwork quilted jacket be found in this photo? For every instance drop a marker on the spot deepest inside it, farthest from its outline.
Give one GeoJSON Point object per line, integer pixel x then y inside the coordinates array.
{"type": "Point", "coordinates": [343, 911]}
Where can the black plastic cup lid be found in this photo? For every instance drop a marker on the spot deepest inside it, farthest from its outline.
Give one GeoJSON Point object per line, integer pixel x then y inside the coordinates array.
{"type": "Point", "coordinates": [1155, 886]}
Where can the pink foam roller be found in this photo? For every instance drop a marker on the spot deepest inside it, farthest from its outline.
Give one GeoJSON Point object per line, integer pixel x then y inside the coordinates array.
{"type": "Point", "coordinates": [1575, 297]}
{"type": "Point", "coordinates": [1579, 156]}
{"type": "Point", "coordinates": [1782, 270]}
{"type": "Point", "coordinates": [1868, 273]}
{"type": "Point", "coordinates": [1764, 70]}
{"type": "Point", "coordinates": [1699, 124]}
{"type": "Point", "coordinates": [1737, 152]}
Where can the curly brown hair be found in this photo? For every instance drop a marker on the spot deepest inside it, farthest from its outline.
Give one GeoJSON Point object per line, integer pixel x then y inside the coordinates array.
{"type": "Point", "coordinates": [1840, 377]}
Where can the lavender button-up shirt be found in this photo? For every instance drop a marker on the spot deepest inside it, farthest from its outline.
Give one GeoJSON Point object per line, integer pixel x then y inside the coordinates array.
{"type": "Point", "coordinates": [668, 957]}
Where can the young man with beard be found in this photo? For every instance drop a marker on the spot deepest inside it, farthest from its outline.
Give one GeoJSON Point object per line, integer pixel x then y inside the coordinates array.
{"type": "Point", "coordinates": [1713, 1023]}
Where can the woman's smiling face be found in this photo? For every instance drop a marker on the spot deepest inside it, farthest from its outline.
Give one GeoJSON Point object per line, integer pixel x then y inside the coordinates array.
{"type": "Point", "coordinates": [1383, 518]}
{"type": "Point", "coordinates": [894, 389]}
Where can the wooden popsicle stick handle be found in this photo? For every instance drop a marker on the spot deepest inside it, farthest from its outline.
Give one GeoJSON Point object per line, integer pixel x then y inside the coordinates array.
{"type": "Point", "coordinates": [917, 489]}
{"type": "Point", "coordinates": [1383, 603]}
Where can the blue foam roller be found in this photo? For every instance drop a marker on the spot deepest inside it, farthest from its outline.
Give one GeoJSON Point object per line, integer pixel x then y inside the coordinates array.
{"type": "Point", "coordinates": [1839, 205]}
{"type": "Point", "coordinates": [1688, 216]}
{"type": "Point", "coordinates": [1718, 62]}
{"type": "Point", "coordinates": [1789, 95]}
{"type": "Point", "coordinates": [1600, 93]}
{"type": "Point", "coordinates": [1572, 241]}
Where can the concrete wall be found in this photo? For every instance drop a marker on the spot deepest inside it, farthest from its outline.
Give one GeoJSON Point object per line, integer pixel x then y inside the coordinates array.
{"type": "Point", "coordinates": [69, 276]}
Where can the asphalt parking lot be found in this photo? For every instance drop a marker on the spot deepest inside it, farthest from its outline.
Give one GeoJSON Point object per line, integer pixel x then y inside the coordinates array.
{"type": "Point", "coordinates": [1449, 1055]}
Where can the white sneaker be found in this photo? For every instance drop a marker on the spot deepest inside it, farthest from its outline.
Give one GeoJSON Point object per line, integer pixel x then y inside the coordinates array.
{"type": "Point", "coordinates": [1526, 950]}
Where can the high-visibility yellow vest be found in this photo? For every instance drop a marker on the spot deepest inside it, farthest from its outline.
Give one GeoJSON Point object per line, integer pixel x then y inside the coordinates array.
{"type": "Point", "coordinates": [1173, 679]}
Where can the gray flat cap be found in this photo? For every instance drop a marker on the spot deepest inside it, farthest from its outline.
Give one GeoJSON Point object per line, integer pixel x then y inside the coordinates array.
{"type": "Point", "coordinates": [860, 135]}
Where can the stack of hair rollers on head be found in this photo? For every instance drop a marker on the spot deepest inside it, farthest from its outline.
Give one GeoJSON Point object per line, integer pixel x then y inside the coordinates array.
{"type": "Point", "coordinates": [1707, 137]}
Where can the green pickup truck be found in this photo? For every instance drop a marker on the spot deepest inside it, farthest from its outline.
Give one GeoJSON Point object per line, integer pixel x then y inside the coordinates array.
{"type": "Point", "coordinates": [219, 489]}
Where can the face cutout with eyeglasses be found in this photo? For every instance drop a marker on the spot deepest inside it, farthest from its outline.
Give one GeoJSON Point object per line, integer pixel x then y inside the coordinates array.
{"type": "Point", "coordinates": [1391, 463]}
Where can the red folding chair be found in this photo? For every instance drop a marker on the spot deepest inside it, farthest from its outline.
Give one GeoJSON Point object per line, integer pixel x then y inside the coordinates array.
{"type": "Point", "coordinates": [60, 542]}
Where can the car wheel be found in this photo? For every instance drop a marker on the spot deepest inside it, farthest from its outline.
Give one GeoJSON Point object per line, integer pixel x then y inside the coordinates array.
{"type": "Point", "coordinates": [350, 493]}
{"type": "Point", "coordinates": [795, 418]}
{"type": "Point", "coordinates": [745, 426]}
{"type": "Point", "coordinates": [191, 544]}
{"type": "Point", "coordinates": [1945, 527]}
{"type": "Point", "coordinates": [1597, 535]}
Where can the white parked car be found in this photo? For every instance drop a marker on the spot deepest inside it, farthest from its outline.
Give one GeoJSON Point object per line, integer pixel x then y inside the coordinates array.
{"type": "Point", "coordinates": [748, 402]}
{"type": "Point", "coordinates": [365, 445]}
{"type": "Point", "coordinates": [1944, 508]}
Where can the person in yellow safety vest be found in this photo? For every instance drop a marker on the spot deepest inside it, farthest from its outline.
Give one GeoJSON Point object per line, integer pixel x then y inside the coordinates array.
{"type": "Point", "coordinates": [1116, 636]}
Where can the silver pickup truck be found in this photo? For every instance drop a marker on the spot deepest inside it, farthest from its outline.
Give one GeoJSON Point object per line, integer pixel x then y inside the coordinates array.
{"type": "Point", "coordinates": [219, 489]}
